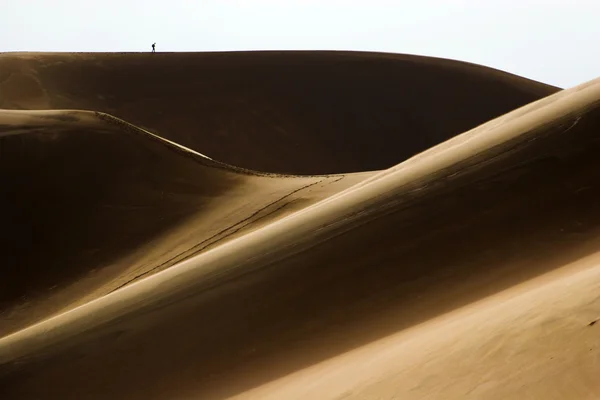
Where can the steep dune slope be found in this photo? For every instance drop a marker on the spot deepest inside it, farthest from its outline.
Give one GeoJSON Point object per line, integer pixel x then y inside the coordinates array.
{"type": "Point", "coordinates": [91, 203]}
{"type": "Point", "coordinates": [287, 112]}
{"type": "Point", "coordinates": [481, 213]}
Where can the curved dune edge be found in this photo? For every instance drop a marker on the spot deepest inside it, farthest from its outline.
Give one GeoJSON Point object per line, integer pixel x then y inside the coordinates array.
{"type": "Point", "coordinates": [294, 112]}
{"type": "Point", "coordinates": [277, 243]}
{"type": "Point", "coordinates": [122, 203]}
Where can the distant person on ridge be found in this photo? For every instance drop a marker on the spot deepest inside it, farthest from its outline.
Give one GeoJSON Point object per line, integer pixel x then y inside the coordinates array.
{"type": "Point", "coordinates": [154, 47]}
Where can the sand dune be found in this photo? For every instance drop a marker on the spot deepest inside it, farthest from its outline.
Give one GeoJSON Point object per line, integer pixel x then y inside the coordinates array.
{"type": "Point", "coordinates": [287, 112]}
{"type": "Point", "coordinates": [104, 204]}
{"type": "Point", "coordinates": [468, 271]}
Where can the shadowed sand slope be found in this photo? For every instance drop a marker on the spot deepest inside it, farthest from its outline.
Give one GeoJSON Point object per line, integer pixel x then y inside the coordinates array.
{"type": "Point", "coordinates": [287, 112]}
{"type": "Point", "coordinates": [423, 281]}
{"type": "Point", "coordinates": [91, 203]}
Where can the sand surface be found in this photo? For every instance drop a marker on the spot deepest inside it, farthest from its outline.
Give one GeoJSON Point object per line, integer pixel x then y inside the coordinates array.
{"type": "Point", "coordinates": [138, 267]}
{"type": "Point", "coordinates": [284, 112]}
{"type": "Point", "coordinates": [105, 204]}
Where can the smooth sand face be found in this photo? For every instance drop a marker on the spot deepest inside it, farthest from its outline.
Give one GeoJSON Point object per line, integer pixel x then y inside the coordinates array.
{"type": "Point", "coordinates": [469, 271]}
{"type": "Point", "coordinates": [508, 345]}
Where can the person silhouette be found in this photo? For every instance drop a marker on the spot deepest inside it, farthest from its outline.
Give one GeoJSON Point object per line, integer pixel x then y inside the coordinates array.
{"type": "Point", "coordinates": [154, 47]}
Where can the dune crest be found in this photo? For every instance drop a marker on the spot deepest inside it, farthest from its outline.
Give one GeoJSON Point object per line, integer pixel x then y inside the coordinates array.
{"type": "Point", "coordinates": [285, 112]}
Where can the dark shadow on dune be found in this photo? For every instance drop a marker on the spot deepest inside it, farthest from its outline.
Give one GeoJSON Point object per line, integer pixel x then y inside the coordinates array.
{"type": "Point", "coordinates": [287, 112]}
{"type": "Point", "coordinates": [495, 220]}
{"type": "Point", "coordinates": [75, 199]}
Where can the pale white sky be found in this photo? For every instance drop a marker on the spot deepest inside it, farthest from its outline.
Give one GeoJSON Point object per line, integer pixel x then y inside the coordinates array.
{"type": "Point", "coordinates": [554, 41]}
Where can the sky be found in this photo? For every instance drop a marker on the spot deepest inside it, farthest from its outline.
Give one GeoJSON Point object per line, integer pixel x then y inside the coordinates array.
{"type": "Point", "coordinates": [552, 41]}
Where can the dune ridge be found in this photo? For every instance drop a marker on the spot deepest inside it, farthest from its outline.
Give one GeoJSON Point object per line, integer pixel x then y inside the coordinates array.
{"type": "Point", "coordinates": [286, 112]}
{"type": "Point", "coordinates": [478, 214]}
{"type": "Point", "coordinates": [105, 203]}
